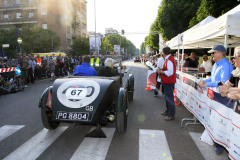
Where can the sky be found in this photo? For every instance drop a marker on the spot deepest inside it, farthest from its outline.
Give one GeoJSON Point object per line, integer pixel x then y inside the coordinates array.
{"type": "Point", "coordinates": [132, 16]}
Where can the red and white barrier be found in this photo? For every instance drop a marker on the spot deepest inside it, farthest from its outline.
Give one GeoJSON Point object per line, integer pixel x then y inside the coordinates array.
{"type": "Point", "coordinates": [7, 69]}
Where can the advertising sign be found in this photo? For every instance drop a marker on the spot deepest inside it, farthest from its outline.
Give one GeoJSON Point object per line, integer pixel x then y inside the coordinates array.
{"type": "Point", "coordinates": [216, 113]}
{"type": "Point", "coordinates": [117, 49]}
{"type": "Point", "coordinates": [92, 42]}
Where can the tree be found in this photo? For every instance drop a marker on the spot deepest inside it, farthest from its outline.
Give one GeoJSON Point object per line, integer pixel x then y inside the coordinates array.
{"type": "Point", "coordinates": [80, 46]}
{"type": "Point", "coordinates": [9, 36]}
{"type": "Point", "coordinates": [153, 39]}
{"type": "Point", "coordinates": [142, 48]}
{"type": "Point", "coordinates": [39, 40]}
{"type": "Point", "coordinates": [174, 16]}
{"type": "Point", "coordinates": [115, 39]}
{"type": "Point", "coordinates": [213, 8]}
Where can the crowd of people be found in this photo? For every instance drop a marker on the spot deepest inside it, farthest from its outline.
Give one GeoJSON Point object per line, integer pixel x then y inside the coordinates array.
{"type": "Point", "coordinates": [37, 68]}
{"type": "Point", "coordinates": [223, 74]}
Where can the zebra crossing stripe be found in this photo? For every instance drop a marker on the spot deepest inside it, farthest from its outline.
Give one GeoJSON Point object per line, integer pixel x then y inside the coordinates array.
{"type": "Point", "coordinates": [94, 148]}
{"type": "Point", "coordinates": [153, 145]}
{"type": "Point", "coordinates": [8, 130]}
{"type": "Point", "coordinates": [207, 151]}
{"type": "Point", "coordinates": [36, 145]}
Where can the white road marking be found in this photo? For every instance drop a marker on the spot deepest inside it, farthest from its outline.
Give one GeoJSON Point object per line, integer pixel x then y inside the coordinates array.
{"type": "Point", "coordinates": [8, 130]}
{"type": "Point", "coordinates": [153, 145]}
{"type": "Point", "coordinates": [36, 145]}
{"type": "Point", "coordinates": [94, 148]}
{"type": "Point", "coordinates": [207, 151]}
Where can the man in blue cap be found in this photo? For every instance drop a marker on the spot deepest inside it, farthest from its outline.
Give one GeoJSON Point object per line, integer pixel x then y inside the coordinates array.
{"type": "Point", "coordinates": [85, 69]}
{"type": "Point", "coordinates": [221, 72]}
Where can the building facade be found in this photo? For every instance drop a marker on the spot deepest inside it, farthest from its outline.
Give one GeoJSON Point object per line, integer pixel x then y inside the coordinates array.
{"type": "Point", "coordinates": [65, 17]}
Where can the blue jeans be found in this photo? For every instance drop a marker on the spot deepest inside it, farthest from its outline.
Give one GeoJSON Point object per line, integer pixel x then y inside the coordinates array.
{"type": "Point", "coordinates": [169, 97]}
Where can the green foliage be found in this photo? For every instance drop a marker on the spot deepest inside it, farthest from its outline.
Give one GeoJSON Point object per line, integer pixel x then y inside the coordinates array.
{"type": "Point", "coordinates": [153, 39]}
{"type": "Point", "coordinates": [115, 39]}
{"type": "Point", "coordinates": [174, 16]}
{"type": "Point", "coordinates": [39, 40]}
{"type": "Point", "coordinates": [142, 48]}
{"type": "Point", "coordinates": [9, 37]}
{"type": "Point", "coordinates": [80, 46]}
{"type": "Point", "coordinates": [213, 8]}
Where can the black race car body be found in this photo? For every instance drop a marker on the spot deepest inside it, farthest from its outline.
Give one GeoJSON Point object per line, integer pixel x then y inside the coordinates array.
{"type": "Point", "coordinates": [86, 100]}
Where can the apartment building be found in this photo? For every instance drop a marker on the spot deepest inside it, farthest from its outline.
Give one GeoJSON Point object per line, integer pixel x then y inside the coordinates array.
{"type": "Point", "coordinates": [65, 17]}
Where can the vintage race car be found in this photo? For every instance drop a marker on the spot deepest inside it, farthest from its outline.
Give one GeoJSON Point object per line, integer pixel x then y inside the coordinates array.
{"type": "Point", "coordinates": [88, 100]}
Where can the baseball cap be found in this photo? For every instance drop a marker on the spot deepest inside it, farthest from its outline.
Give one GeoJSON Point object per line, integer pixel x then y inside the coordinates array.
{"type": "Point", "coordinates": [219, 48]}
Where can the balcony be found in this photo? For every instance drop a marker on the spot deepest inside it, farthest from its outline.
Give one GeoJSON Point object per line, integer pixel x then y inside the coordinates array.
{"type": "Point", "coordinates": [18, 21]}
{"type": "Point", "coordinates": [15, 6]}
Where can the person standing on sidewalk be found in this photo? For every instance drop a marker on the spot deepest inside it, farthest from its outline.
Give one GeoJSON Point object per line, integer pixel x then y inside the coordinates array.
{"type": "Point", "coordinates": [24, 68]}
{"type": "Point", "coordinates": [168, 79]}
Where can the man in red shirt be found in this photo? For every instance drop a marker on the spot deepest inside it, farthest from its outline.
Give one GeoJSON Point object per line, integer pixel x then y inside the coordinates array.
{"type": "Point", "coordinates": [168, 79]}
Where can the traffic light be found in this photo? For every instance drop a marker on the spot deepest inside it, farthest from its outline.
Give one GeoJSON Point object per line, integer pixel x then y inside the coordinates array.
{"type": "Point", "coordinates": [122, 32]}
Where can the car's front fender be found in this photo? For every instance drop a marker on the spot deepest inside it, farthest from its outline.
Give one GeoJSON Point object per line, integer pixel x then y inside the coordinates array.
{"type": "Point", "coordinates": [130, 83]}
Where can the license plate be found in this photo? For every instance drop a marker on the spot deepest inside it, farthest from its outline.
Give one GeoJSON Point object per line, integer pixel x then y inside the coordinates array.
{"type": "Point", "coordinates": [72, 116]}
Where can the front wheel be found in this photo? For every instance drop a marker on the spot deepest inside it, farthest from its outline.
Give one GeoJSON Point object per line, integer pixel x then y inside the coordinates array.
{"type": "Point", "coordinates": [46, 121]}
{"type": "Point", "coordinates": [121, 111]}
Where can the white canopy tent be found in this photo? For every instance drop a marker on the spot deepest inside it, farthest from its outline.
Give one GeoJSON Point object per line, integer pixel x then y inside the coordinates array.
{"type": "Point", "coordinates": [224, 30]}
{"type": "Point", "coordinates": [174, 42]}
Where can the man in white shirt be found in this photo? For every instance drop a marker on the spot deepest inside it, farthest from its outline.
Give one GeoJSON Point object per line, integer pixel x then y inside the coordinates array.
{"type": "Point", "coordinates": [207, 64]}
{"type": "Point", "coordinates": [160, 62]}
{"type": "Point", "coordinates": [168, 80]}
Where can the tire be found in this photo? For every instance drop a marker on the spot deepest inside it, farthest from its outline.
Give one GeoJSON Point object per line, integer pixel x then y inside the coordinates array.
{"type": "Point", "coordinates": [121, 121]}
{"type": "Point", "coordinates": [121, 118]}
{"type": "Point", "coordinates": [130, 96]}
{"type": "Point", "coordinates": [47, 123]}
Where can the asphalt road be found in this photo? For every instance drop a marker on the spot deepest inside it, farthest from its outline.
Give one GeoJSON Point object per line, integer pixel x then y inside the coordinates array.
{"type": "Point", "coordinates": [148, 135]}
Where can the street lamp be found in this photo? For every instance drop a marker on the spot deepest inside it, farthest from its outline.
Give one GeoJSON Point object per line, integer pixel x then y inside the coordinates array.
{"type": "Point", "coordinates": [19, 40]}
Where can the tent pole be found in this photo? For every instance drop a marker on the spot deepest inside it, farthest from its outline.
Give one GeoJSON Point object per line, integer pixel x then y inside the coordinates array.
{"type": "Point", "coordinates": [178, 58]}
{"type": "Point", "coordinates": [182, 56]}
{"type": "Point", "coordinates": [225, 42]}
{"type": "Point", "coordinates": [230, 53]}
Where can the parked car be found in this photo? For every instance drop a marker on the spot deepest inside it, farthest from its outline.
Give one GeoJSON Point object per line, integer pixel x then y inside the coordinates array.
{"type": "Point", "coordinates": [91, 100]}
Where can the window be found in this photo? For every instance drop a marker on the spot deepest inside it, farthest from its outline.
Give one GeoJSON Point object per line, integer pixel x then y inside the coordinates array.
{"type": "Point", "coordinates": [5, 3]}
{"type": "Point", "coordinates": [44, 26]}
{"type": "Point", "coordinates": [5, 16]}
{"type": "Point", "coordinates": [31, 15]}
{"type": "Point", "coordinates": [18, 15]}
{"type": "Point", "coordinates": [30, 1]}
{"type": "Point", "coordinates": [18, 2]}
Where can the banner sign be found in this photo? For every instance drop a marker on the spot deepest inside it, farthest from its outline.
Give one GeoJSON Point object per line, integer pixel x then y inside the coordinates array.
{"type": "Point", "coordinates": [215, 112]}
{"type": "Point", "coordinates": [92, 42]}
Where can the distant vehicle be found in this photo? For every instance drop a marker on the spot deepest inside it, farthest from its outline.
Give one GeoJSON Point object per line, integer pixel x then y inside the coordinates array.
{"type": "Point", "coordinates": [92, 100]}
{"type": "Point", "coordinates": [137, 59]}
